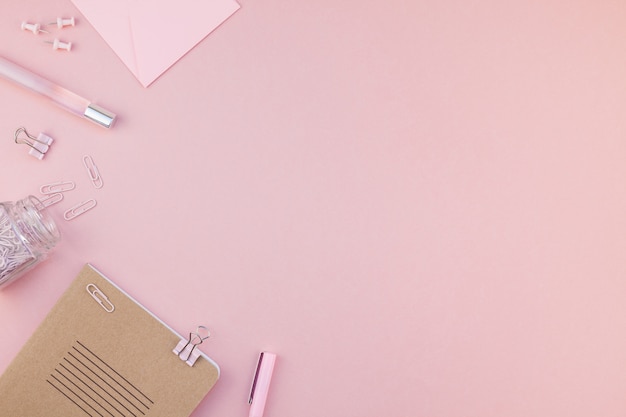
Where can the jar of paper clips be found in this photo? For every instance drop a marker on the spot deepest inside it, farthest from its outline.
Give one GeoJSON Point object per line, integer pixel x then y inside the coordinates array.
{"type": "Point", "coordinates": [27, 234]}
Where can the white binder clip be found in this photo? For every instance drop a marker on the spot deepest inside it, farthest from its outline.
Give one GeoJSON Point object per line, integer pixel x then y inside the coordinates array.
{"type": "Point", "coordinates": [186, 349]}
{"type": "Point", "coordinates": [38, 145]}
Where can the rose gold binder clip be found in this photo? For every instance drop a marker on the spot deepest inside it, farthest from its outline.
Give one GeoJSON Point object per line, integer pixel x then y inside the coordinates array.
{"type": "Point", "coordinates": [186, 349]}
{"type": "Point", "coordinates": [100, 298]}
{"type": "Point", "coordinates": [38, 145]}
{"type": "Point", "coordinates": [92, 171]}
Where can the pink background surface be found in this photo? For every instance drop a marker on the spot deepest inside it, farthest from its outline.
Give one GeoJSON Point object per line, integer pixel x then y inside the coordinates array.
{"type": "Point", "coordinates": [419, 206]}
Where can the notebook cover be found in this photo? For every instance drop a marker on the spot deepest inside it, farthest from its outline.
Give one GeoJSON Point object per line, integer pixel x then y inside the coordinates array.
{"type": "Point", "coordinates": [84, 361]}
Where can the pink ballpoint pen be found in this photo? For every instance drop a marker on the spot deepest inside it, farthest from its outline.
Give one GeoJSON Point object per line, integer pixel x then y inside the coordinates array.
{"type": "Point", "coordinates": [261, 383]}
{"type": "Point", "coordinates": [68, 100]}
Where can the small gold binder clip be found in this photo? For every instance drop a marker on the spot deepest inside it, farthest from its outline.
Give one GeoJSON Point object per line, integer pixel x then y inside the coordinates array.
{"type": "Point", "coordinates": [186, 349]}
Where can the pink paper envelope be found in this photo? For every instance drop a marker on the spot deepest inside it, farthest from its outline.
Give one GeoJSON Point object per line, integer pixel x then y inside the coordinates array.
{"type": "Point", "coordinates": [149, 36]}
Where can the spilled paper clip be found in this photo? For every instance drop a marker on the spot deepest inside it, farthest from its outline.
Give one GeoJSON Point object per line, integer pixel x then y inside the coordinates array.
{"type": "Point", "coordinates": [186, 349]}
{"type": "Point", "coordinates": [79, 209]}
{"type": "Point", "coordinates": [52, 199]}
{"type": "Point", "coordinates": [100, 297]}
{"type": "Point", "coordinates": [57, 187]}
{"type": "Point", "coordinates": [92, 170]}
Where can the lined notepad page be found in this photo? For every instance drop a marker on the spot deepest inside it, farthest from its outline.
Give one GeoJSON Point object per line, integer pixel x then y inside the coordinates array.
{"type": "Point", "coordinates": [85, 360]}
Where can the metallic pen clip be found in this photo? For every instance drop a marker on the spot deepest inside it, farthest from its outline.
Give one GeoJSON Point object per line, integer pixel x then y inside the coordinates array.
{"type": "Point", "coordinates": [261, 383]}
{"type": "Point", "coordinates": [100, 297]}
{"type": "Point", "coordinates": [99, 115]}
{"type": "Point", "coordinates": [255, 379]}
{"type": "Point", "coordinates": [186, 349]}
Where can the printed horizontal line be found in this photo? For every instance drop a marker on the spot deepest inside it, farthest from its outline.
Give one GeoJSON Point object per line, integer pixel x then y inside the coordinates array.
{"type": "Point", "coordinates": [66, 396]}
{"type": "Point", "coordinates": [76, 395]}
{"type": "Point", "coordinates": [112, 378]}
{"type": "Point", "coordinates": [109, 385]}
{"type": "Point", "coordinates": [117, 373]}
{"type": "Point", "coordinates": [83, 391]}
{"type": "Point", "coordinates": [99, 386]}
{"type": "Point", "coordinates": [96, 387]}
{"type": "Point", "coordinates": [76, 378]}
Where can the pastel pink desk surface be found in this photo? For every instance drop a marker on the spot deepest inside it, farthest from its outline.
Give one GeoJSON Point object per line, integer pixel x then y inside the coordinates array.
{"type": "Point", "coordinates": [419, 206]}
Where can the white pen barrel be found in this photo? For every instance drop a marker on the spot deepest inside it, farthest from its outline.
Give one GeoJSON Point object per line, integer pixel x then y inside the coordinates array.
{"type": "Point", "coordinates": [68, 100]}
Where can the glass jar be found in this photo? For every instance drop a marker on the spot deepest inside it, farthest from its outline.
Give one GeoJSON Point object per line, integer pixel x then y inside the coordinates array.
{"type": "Point", "coordinates": [27, 234]}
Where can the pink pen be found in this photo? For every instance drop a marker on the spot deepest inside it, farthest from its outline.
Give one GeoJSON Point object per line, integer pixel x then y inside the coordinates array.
{"type": "Point", "coordinates": [261, 383]}
{"type": "Point", "coordinates": [70, 101]}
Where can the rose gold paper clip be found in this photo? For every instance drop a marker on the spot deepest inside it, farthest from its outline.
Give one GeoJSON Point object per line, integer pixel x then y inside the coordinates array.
{"type": "Point", "coordinates": [52, 199]}
{"type": "Point", "coordinates": [92, 171]}
{"type": "Point", "coordinates": [78, 209]}
{"type": "Point", "coordinates": [100, 298]}
{"type": "Point", "coordinates": [57, 187]}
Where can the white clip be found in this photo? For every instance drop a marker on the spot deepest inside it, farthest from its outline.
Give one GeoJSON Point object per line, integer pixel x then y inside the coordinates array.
{"type": "Point", "coordinates": [57, 187]}
{"type": "Point", "coordinates": [186, 349]}
{"type": "Point", "coordinates": [38, 145]}
{"type": "Point", "coordinates": [61, 23]}
{"type": "Point", "coordinates": [57, 44]}
{"type": "Point", "coordinates": [92, 171]}
{"type": "Point", "coordinates": [100, 297]}
{"type": "Point", "coordinates": [33, 27]}
{"type": "Point", "coordinates": [52, 199]}
{"type": "Point", "coordinates": [80, 208]}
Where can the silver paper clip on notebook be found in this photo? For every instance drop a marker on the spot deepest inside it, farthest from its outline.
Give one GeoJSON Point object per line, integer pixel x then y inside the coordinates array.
{"type": "Point", "coordinates": [186, 349]}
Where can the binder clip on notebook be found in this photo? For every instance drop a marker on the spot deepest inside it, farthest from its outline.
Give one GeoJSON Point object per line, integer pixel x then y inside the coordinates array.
{"type": "Point", "coordinates": [186, 349]}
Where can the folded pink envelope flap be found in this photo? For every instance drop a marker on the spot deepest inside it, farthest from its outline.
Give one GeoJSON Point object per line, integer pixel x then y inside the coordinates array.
{"type": "Point", "coordinates": [150, 36]}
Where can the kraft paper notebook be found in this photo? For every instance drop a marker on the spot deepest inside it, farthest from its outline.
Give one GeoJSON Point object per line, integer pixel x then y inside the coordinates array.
{"type": "Point", "coordinates": [106, 358]}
